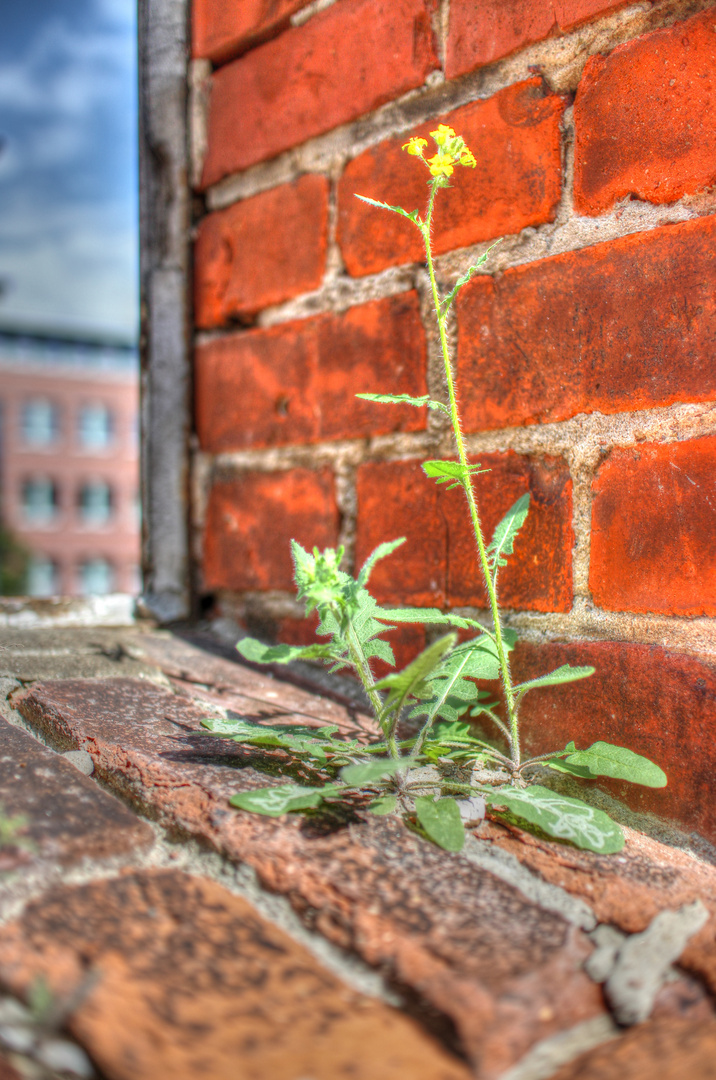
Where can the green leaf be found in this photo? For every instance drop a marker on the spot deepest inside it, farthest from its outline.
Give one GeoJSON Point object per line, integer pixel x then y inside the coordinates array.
{"type": "Point", "coordinates": [274, 801]}
{"type": "Point", "coordinates": [258, 653]}
{"type": "Point", "coordinates": [413, 215]}
{"type": "Point", "coordinates": [427, 616]}
{"type": "Point", "coordinates": [560, 816]}
{"type": "Point", "coordinates": [411, 680]}
{"type": "Point", "coordinates": [450, 472]}
{"type": "Point", "coordinates": [383, 805]}
{"type": "Point", "coordinates": [466, 277]}
{"type": "Point", "coordinates": [563, 674]}
{"type": "Point", "coordinates": [442, 822]}
{"type": "Point", "coordinates": [381, 552]}
{"type": "Point", "coordinates": [605, 759]}
{"type": "Point", "coordinates": [296, 739]}
{"type": "Point", "coordinates": [370, 772]}
{"type": "Point", "coordinates": [503, 539]}
{"type": "Point", "coordinates": [405, 399]}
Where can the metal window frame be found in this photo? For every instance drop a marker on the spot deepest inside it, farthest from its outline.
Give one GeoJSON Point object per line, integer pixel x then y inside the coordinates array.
{"type": "Point", "coordinates": [165, 335]}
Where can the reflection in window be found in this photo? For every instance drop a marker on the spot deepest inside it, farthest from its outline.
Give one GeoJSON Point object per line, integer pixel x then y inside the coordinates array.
{"type": "Point", "coordinates": [42, 576]}
{"type": "Point", "coordinates": [95, 503]}
{"type": "Point", "coordinates": [40, 422]}
{"type": "Point", "coordinates": [95, 427]}
{"type": "Point", "coordinates": [39, 501]}
{"type": "Point", "coordinates": [96, 577]}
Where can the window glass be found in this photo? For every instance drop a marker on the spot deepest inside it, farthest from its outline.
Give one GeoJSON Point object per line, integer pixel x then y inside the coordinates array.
{"type": "Point", "coordinates": [40, 422]}
{"type": "Point", "coordinates": [95, 503]}
{"type": "Point", "coordinates": [42, 576]}
{"type": "Point", "coordinates": [39, 501]}
{"type": "Point", "coordinates": [95, 427]}
{"type": "Point", "coordinates": [96, 577]}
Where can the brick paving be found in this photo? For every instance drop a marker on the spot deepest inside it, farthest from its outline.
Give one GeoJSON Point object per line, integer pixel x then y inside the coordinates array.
{"type": "Point", "coordinates": [169, 970]}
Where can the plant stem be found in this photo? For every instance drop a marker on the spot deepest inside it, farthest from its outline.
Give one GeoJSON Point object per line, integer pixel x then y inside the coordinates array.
{"type": "Point", "coordinates": [470, 494]}
{"type": "Point", "coordinates": [363, 668]}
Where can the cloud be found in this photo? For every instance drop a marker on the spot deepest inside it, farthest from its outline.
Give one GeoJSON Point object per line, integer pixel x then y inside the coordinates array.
{"type": "Point", "coordinates": [67, 233]}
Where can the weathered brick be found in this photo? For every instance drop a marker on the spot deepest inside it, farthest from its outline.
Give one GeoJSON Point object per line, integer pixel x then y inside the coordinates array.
{"type": "Point", "coordinates": [438, 564]}
{"type": "Point", "coordinates": [220, 31]}
{"type": "Point", "coordinates": [296, 383]}
{"type": "Point", "coordinates": [485, 30]}
{"type": "Point", "coordinates": [344, 62]}
{"type": "Point", "coordinates": [622, 325]}
{"type": "Point", "coordinates": [516, 137]}
{"type": "Point", "coordinates": [190, 980]}
{"type": "Point", "coordinates": [261, 251]}
{"type": "Point", "coordinates": [653, 538]}
{"type": "Point", "coordinates": [251, 520]}
{"type": "Point", "coordinates": [504, 971]}
{"type": "Point", "coordinates": [68, 818]}
{"type": "Point", "coordinates": [657, 702]}
{"type": "Point", "coordinates": [644, 118]}
{"type": "Point", "coordinates": [669, 1048]}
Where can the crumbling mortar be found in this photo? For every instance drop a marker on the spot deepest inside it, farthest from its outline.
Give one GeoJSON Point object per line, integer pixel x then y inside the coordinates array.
{"type": "Point", "coordinates": [198, 117]}
{"type": "Point", "coordinates": [305, 14]}
{"type": "Point", "coordinates": [560, 60]}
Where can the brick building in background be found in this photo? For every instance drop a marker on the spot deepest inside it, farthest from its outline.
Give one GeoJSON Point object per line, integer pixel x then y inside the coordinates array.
{"type": "Point", "coordinates": [585, 353]}
{"type": "Point", "coordinates": [69, 478]}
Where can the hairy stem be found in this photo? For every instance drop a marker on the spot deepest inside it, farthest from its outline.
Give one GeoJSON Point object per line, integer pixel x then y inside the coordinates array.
{"type": "Point", "coordinates": [363, 668]}
{"type": "Point", "coordinates": [470, 494]}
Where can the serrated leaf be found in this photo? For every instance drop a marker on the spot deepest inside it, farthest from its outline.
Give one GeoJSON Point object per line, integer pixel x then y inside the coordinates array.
{"type": "Point", "coordinates": [370, 772]}
{"type": "Point", "coordinates": [560, 816]}
{"type": "Point", "coordinates": [405, 399]}
{"type": "Point", "coordinates": [275, 801]}
{"type": "Point", "coordinates": [426, 616]}
{"type": "Point", "coordinates": [466, 277]}
{"type": "Point", "coordinates": [383, 805]}
{"type": "Point", "coordinates": [412, 215]}
{"type": "Point", "coordinates": [606, 759]}
{"type": "Point", "coordinates": [259, 653]}
{"type": "Point", "coordinates": [381, 552]}
{"type": "Point", "coordinates": [411, 680]}
{"type": "Point", "coordinates": [442, 822]}
{"type": "Point", "coordinates": [563, 674]}
{"type": "Point", "coordinates": [505, 534]}
{"type": "Point", "coordinates": [450, 472]}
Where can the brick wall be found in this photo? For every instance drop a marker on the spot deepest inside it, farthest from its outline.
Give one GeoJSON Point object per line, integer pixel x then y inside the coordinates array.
{"type": "Point", "coordinates": [585, 355]}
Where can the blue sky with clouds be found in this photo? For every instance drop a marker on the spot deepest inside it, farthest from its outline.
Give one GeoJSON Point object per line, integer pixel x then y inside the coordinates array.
{"type": "Point", "coordinates": [68, 198]}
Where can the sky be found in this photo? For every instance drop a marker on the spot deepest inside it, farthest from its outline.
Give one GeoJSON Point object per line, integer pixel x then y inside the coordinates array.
{"type": "Point", "coordinates": [68, 165]}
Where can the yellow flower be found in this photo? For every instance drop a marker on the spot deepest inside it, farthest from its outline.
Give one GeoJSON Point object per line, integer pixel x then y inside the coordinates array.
{"type": "Point", "coordinates": [467, 158]}
{"type": "Point", "coordinates": [443, 135]}
{"type": "Point", "coordinates": [442, 164]}
{"type": "Point", "coordinates": [415, 146]}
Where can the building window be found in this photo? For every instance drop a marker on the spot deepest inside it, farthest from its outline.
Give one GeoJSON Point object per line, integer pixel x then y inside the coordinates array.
{"type": "Point", "coordinates": [39, 501]}
{"type": "Point", "coordinates": [95, 427]}
{"type": "Point", "coordinates": [95, 503]}
{"type": "Point", "coordinates": [40, 422]}
{"type": "Point", "coordinates": [96, 577]}
{"type": "Point", "coordinates": [42, 576]}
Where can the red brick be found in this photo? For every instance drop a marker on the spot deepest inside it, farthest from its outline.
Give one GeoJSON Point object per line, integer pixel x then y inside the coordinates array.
{"type": "Point", "coordinates": [189, 980]}
{"type": "Point", "coordinates": [438, 566]}
{"type": "Point", "coordinates": [654, 701]}
{"type": "Point", "coordinates": [221, 30]}
{"type": "Point", "coordinates": [485, 30]}
{"type": "Point", "coordinates": [653, 537]}
{"type": "Point", "coordinates": [619, 326]}
{"type": "Point", "coordinates": [251, 520]}
{"type": "Point", "coordinates": [671, 1048]}
{"type": "Point", "coordinates": [344, 62]}
{"type": "Point", "coordinates": [261, 251]}
{"type": "Point", "coordinates": [296, 383]}
{"type": "Point", "coordinates": [644, 118]}
{"type": "Point", "coordinates": [516, 138]}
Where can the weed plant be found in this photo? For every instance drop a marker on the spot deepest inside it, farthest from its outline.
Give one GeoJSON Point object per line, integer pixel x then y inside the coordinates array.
{"type": "Point", "coordinates": [448, 771]}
